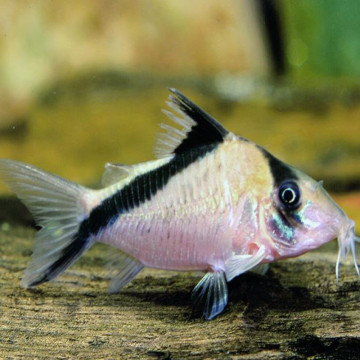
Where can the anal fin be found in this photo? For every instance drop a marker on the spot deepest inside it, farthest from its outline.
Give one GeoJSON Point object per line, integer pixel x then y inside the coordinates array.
{"type": "Point", "coordinates": [123, 268]}
{"type": "Point", "coordinates": [211, 293]}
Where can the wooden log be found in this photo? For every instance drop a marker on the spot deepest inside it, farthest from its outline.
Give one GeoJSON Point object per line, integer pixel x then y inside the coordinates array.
{"type": "Point", "coordinates": [295, 311]}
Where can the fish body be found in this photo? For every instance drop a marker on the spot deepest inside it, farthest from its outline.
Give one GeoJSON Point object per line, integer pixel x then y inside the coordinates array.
{"type": "Point", "coordinates": [190, 223]}
{"type": "Point", "coordinates": [213, 202]}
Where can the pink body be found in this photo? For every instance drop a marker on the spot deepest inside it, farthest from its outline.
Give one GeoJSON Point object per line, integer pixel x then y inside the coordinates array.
{"type": "Point", "coordinates": [201, 218]}
{"type": "Point", "coordinates": [218, 208]}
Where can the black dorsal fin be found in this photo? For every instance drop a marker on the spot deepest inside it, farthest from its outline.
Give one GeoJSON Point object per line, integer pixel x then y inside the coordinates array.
{"type": "Point", "coordinates": [198, 127]}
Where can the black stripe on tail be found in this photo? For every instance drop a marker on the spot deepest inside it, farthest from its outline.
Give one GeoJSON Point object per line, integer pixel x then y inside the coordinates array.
{"type": "Point", "coordinates": [72, 252]}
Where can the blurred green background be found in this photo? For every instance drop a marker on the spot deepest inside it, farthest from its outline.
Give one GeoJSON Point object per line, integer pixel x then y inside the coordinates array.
{"type": "Point", "coordinates": [82, 82]}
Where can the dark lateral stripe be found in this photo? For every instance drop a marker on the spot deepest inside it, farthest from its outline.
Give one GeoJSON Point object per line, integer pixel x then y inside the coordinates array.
{"type": "Point", "coordinates": [69, 255]}
{"type": "Point", "coordinates": [279, 170]}
{"type": "Point", "coordinates": [206, 131]}
{"type": "Point", "coordinates": [138, 191]}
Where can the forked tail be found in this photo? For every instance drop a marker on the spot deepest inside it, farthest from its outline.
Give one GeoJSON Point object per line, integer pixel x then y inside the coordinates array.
{"type": "Point", "coordinates": [58, 207]}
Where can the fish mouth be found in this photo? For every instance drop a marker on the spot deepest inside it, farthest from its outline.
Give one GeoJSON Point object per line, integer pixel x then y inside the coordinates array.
{"type": "Point", "coordinates": [346, 243]}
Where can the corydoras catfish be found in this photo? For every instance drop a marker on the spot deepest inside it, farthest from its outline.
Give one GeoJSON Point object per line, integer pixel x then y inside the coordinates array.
{"type": "Point", "coordinates": [211, 202]}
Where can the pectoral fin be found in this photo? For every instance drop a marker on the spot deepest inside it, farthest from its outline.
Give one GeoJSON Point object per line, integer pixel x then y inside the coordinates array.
{"type": "Point", "coordinates": [261, 269]}
{"type": "Point", "coordinates": [211, 293]}
{"type": "Point", "coordinates": [238, 264]}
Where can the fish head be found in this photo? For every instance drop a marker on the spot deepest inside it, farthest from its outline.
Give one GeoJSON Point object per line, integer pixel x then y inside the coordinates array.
{"type": "Point", "coordinates": [303, 217]}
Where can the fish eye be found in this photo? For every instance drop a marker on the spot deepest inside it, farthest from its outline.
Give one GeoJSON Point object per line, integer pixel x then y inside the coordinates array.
{"type": "Point", "coordinates": [289, 195]}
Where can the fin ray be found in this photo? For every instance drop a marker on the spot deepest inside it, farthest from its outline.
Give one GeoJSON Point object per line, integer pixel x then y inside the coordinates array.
{"type": "Point", "coordinates": [197, 127]}
{"type": "Point", "coordinates": [56, 206]}
{"type": "Point", "coordinates": [211, 293]}
{"type": "Point", "coordinates": [123, 268]}
{"type": "Point", "coordinates": [261, 269]}
{"type": "Point", "coordinates": [238, 264]}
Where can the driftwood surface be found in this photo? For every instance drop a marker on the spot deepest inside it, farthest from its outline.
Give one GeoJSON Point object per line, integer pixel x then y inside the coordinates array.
{"type": "Point", "coordinates": [296, 311]}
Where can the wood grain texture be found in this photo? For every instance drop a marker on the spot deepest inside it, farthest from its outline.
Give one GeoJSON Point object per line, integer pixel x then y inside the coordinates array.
{"type": "Point", "coordinates": [296, 311]}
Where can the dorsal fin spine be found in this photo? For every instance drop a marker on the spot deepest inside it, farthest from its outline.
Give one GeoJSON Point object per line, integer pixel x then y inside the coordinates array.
{"type": "Point", "coordinates": [198, 128]}
{"type": "Point", "coordinates": [184, 104]}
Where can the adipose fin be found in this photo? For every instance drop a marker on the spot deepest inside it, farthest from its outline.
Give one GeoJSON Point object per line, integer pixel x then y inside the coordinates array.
{"type": "Point", "coordinates": [115, 173]}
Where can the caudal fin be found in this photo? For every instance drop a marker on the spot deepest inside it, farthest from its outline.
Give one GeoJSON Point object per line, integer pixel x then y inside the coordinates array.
{"type": "Point", "coordinates": [57, 207]}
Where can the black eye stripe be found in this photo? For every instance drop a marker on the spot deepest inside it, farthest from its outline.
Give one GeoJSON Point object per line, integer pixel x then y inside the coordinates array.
{"type": "Point", "coordinates": [279, 170]}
